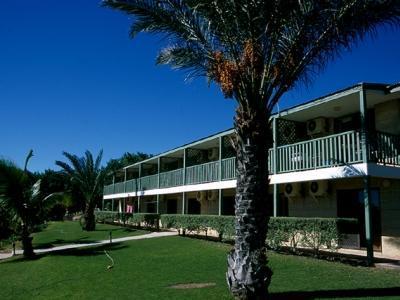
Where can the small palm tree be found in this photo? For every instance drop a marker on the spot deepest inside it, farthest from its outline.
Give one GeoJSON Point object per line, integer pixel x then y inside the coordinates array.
{"type": "Point", "coordinates": [23, 200]}
{"type": "Point", "coordinates": [255, 51]}
{"type": "Point", "coordinates": [87, 175]}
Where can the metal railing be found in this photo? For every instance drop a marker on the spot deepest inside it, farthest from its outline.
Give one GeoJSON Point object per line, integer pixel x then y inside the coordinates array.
{"type": "Point", "coordinates": [334, 150]}
{"type": "Point", "coordinates": [385, 148]}
{"type": "Point", "coordinates": [330, 151]}
{"type": "Point", "coordinates": [131, 185]}
{"type": "Point", "coordinates": [228, 168]}
{"type": "Point", "coordinates": [171, 178]}
{"type": "Point", "coordinates": [202, 173]}
{"type": "Point", "coordinates": [149, 182]}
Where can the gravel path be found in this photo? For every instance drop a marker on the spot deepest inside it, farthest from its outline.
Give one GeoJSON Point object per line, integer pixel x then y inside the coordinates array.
{"type": "Point", "coordinates": [102, 242]}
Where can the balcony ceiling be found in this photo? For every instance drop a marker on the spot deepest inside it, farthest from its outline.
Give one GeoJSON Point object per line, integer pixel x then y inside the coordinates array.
{"type": "Point", "coordinates": [336, 106]}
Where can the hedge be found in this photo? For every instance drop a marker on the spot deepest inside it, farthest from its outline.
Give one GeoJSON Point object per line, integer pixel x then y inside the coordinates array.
{"type": "Point", "coordinates": [223, 225]}
{"type": "Point", "coordinates": [314, 233]}
{"type": "Point", "coordinates": [137, 219]}
{"type": "Point", "coordinates": [292, 232]}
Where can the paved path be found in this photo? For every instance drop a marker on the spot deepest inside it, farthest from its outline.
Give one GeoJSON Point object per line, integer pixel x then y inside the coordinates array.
{"type": "Point", "coordinates": [102, 242]}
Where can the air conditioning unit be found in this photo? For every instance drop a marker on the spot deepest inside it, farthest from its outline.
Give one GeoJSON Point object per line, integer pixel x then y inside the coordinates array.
{"type": "Point", "coordinates": [213, 154]}
{"type": "Point", "coordinates": [292, 189]}
{"type": "Point", "coordinates": [318, 188]}
{"type": "Point", "coordinates": [317, 126]}
{"type": "Point", "coordinates": [213, 195]}
{"type": "Point", "coordinates": [201, 196]}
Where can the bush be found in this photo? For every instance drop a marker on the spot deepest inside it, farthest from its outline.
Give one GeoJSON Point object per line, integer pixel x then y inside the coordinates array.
{"type": "Point", "coordinates": [148, 219]}
{"type": "Point", "coordinates": [314, 233]}
{"type": "Point", "coordinates": [137, 219]}
{"type": "Point", "coordinates": [223, 225]}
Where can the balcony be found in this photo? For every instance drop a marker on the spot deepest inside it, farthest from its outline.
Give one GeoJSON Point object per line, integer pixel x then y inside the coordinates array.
{"type": "Point", "coordinates": [325, 152]}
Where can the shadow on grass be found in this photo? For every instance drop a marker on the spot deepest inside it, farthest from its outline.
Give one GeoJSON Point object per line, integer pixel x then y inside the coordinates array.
{"type": "Point", "coordinates": [87, 251]}
{"type": "Point", "coordinates": [58, 242]}
{"type": "Point", "coordinates": [327, 294]}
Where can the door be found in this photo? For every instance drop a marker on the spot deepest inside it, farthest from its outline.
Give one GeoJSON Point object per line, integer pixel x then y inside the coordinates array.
{"type": "Point", "coordinates": [172, 206]}
{"type": "Point", "coordinates": [350, 204]}
{"type": "Point", "coordinates": [194, 207]}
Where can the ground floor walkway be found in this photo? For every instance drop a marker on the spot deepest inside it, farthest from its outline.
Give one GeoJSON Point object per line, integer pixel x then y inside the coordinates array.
{"type": "Point", "coordinates": [98, 243]}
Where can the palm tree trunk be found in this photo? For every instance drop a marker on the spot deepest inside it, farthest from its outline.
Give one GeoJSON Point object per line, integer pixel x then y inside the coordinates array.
{"type": "Point", "coordinates": [248, 275]}
{"type": "Point", "coordinates": [90, 220]}
{"type": "Point", "coordinates": [26, 242]}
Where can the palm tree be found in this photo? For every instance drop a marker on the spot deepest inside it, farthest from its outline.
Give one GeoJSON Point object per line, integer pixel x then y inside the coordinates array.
{"type": "Point", "coordinates": [23, 200]}
{"type": "Point", "coordinates": [255, 51]}
{"type": "Point", "coordinates": [87, 176]}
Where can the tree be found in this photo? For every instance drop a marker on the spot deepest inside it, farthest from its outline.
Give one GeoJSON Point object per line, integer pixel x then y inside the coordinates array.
{"type": "Point", "coordinates": [255, 51]}
{"type": "Point", "coordinates": [87, 175]}
{"type": "Point", "coordinates": [115, 164]}
{"type": "Point", "coordinates": [23, 200]}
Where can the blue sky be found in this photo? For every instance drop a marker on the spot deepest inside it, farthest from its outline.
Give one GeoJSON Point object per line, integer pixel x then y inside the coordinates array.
{"type": "Point", "coordinates": [71, 80]}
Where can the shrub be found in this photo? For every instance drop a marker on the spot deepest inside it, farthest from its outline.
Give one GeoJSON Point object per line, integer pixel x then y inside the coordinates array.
{"type": "Point", "coordinates": [223, 225]}
{"type": "Point", "coordinates": [314, 233]}
{"type": "Point", "coordinates": [148, 219]}
{"type": "Point", "coordinates": [137, 219]}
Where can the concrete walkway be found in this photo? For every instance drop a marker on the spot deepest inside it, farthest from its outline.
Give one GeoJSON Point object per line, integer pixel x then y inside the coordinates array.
{"type": "Point", "coordinates": [98, 243]}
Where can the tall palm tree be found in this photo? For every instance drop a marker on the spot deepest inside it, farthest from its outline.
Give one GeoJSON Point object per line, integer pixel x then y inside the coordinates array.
{"type": "Point", "coordinates": [255, 51]}
{"type": "Point", "coordinates": [87, 176]}
{"type": "Point", "coordinates": [23, 200]}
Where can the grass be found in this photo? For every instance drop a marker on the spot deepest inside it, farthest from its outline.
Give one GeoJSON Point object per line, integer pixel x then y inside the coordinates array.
{"type": "Point", "coordinates": [145, 269]}
{"type": "Point", "coordinates": [69, 232]}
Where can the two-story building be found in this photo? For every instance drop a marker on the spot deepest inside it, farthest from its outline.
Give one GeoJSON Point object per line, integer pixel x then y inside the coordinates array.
{"type": "Point", "coordinates": [335, 156]}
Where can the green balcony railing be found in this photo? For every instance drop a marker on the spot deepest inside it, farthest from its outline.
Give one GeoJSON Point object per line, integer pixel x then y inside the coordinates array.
{"type": "Point", "coordinates": [385, 148]}
{"type": "Point", "coordinates": [171, 178]}
{"type": "Point", "coordinates": [330, 151]}
{"type": "Point", "coordinates": [132, 185]}
{"type": "Point", "coordinates": [149, 182]}
{"type": "Point", "coordinates": [108, 189]}
{"type": "Point", "coordinates": [334, 150]}
{"type": "Point", "coordinates": [202, 173]}
{"type": "Point", "coordinates": [228, 168]}
{"type": "Point", "coordinates": [119, 188]}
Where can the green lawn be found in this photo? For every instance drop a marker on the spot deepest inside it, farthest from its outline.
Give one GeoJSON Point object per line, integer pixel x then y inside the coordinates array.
{"type": "Point", "coordinates": [70, 232]}
{"type": "Point", "coordinates": [145, 269]}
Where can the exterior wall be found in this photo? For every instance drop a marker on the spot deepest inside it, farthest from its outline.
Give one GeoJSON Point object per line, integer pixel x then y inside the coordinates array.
{"type": "Point", "coordinates": [390, 205]}
{"type": "Point", "coordinates": [207, 207]}
{"type": "Point", "coordinates": [164, 200]}
{"type": "Point", "coordinates": [387, 116]}
{"type": "Point", "coordinates": [326, 206]}
{"type": "Point", "coordinates": [308, 206]}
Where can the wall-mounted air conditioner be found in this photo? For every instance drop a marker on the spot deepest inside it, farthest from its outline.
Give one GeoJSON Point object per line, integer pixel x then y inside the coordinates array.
{"type": "Point", "coordinates": [213, 154]}
{"type": "Point", "coordinates": [292, 189]}
{"type": "Point", "coordinates": [317, 126]}
{"type": "Point", "coordinates": [318, 188]}
{"type": "Point", "coordinates": [212, 195]}
{"type": "Point", "coordinates": [201, 196]}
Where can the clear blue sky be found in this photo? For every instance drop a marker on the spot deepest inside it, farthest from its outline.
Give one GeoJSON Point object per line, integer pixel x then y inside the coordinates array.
{"type": "Point", "coordinates": [71, 79]}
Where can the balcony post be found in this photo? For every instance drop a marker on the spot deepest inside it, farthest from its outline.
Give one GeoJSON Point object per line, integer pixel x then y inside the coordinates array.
{"type": "Point", "coordinates": [219, 202]}
{"type": "Point", "coordinates": [183, 203]}
{"type": "Point", "coordinates": [113, 183]}
{"type": "Point", "coordinates": [140, 176]}
{"type": "Point", "coordinates": [275, 164]}
{"type": "Point", "coordinates": [112, 205]}
{"type": "Point", "coordinates": [184, 167]}
{"type": "Point", "coordinates": [220, 159]}
{"type": "Point", "coordinates": [158, 171]}
{"type": "Point", "coordinates": [102, 204]}
{"type": "Point", "coordinates": [366, 179]}
{"type": "Point", "coordinates": [158, 203]}
{"type": "Point", "coordinates": [124, 180]}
